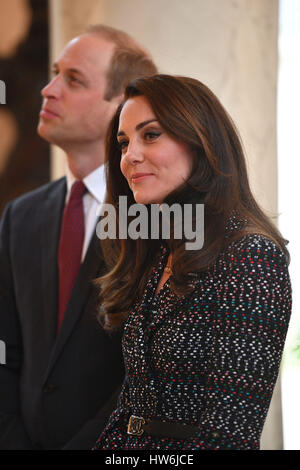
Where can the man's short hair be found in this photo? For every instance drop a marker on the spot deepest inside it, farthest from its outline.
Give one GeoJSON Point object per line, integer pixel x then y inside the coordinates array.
{"type": "Point", "coordinates": [129, 61]}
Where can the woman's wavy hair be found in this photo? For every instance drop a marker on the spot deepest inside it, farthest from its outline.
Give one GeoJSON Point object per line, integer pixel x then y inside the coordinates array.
{"type": "Point", "coordinates": [189, 112]}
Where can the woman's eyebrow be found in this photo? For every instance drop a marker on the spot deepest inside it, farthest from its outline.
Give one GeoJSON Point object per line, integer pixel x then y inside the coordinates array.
{"type": "Point", "coordinates": [138, 127]}
{"type": "Point", "coordinates": [144, 123]}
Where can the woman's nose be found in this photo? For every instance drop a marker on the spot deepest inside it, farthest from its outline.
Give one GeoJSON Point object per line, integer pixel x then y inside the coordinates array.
{"type": "Point", "coordinates": [134, 154]}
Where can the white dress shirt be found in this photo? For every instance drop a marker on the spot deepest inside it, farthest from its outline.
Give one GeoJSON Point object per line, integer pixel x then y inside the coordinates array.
{"type": "Point", "coordinates": [92, 201]}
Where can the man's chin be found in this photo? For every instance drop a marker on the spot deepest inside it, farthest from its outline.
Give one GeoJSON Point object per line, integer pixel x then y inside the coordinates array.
{"type": "Point", "coordinates": [45, 133]}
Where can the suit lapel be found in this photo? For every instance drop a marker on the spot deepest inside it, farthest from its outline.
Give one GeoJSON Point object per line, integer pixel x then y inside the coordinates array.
{"type": "Point", "coordinates": [51, 219]}
{"type": "Point", "coordinates": [79, 298]}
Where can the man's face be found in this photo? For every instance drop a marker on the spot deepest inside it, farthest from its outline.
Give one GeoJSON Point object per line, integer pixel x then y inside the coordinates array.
{"type": "Point", "coordinates": [74, 113]}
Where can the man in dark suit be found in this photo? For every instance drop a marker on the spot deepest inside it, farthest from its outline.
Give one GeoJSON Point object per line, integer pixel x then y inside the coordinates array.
{"type": "Point", "coordinates": [62, 372]}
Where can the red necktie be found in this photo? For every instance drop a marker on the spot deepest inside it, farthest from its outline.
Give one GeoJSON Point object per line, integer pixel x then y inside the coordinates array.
{"type": "Point", "coordinates": [70, 247]}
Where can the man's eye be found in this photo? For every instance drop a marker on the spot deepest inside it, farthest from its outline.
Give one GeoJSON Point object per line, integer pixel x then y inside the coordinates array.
{"type": "Point", "coordinates": [74, 80]}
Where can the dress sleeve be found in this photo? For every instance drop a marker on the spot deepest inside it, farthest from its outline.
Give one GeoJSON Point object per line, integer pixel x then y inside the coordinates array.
{"type": "Point", "coordinates": [115, 423]}
{"type": "Point", "coordinates": [251, 316]}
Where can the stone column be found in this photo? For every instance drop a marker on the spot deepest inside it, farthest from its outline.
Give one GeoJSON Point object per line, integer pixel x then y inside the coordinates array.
{"type": "Point", "coordinates": [230, 45]}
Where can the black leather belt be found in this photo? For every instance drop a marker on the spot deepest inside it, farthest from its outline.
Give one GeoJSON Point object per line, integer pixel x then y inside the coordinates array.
{"type": "Point", "coordinates": [138, 426]}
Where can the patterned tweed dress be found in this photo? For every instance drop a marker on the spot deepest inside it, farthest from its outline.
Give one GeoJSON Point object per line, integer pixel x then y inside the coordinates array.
{"type": "Point", "coordinates": [210, 358]}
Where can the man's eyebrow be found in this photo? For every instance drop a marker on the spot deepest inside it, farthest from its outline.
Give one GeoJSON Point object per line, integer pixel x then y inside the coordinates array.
{"type": "Point", "coordinates": [72, 69]}
{"type": "Point", "coordinates": [139, 126]}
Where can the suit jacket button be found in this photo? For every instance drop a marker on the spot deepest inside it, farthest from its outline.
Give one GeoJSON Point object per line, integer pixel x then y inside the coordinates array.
{"type": "Point", "coordinates": [48, 388]}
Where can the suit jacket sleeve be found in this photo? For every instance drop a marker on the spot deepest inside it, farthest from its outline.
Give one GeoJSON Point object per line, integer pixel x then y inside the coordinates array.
{"type": "Point", "coordinates": [12, 431]}
{"type": "Point", "coordinates": [86, 438]}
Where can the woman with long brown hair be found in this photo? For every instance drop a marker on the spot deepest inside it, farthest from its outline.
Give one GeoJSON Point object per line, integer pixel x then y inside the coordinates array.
{"type": "Point", "coordinates": [204, 329]}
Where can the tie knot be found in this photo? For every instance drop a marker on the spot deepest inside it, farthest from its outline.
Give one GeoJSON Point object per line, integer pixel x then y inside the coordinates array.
{"type": "Point", "coordinates": [78, 190]}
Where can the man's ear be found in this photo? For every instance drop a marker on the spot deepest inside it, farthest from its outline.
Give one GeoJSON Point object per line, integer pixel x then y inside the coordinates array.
{"type": "Point", "coordinates": [117, 100]}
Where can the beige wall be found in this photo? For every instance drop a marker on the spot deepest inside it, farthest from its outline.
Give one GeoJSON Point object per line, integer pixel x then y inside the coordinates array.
{"type": "Point", "coordinates": [230, 45]}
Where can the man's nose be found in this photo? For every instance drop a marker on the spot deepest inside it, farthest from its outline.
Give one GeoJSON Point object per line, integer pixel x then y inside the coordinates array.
{"type": "Point", "coordinates": [53, 89]}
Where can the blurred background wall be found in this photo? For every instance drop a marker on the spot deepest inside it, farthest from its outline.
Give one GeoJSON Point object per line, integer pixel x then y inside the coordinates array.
{"type": "Point", "coordinates": [230, 45]}
{"type": "Point", "coordinates": [24, 44]}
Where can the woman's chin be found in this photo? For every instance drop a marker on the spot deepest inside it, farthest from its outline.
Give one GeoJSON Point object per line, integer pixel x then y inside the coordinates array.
{"type": "Point", "coordinates": [143, 199]}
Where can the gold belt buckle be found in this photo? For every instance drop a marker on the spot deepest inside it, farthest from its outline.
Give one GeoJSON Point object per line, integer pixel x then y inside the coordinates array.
{"type": "Point", "coordinates": [135, 425]}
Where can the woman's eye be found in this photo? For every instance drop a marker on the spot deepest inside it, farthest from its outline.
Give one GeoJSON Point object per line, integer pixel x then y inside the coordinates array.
{"type": "Point", "coordinates": [151, 135]}
{"type": "Point", "coordinates": [122, 145]}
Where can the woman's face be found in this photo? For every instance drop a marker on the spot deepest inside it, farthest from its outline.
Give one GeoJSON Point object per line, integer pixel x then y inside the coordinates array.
{"type": "Point", "coordinates": [152, 161]}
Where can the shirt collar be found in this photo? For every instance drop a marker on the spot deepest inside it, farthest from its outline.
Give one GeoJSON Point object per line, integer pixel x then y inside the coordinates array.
{"type": "Point", "coordinates": [94, 182]}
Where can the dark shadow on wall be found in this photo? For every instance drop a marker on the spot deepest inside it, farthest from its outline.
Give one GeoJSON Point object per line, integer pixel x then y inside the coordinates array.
{"type": "Point", "coordinates": [25, 74]}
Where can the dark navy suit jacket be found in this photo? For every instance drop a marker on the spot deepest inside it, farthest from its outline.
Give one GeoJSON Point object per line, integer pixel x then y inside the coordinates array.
{"type": "Point", "coordinates": [56, 390]}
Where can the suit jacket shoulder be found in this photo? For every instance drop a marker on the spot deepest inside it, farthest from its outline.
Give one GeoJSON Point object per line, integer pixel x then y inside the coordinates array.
{"type": "Point", "coordinates": [54, 189]}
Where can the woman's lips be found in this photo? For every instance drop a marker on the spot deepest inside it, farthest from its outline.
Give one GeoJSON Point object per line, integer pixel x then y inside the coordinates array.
{"type": "Point", "coordinates": [137, 177]}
